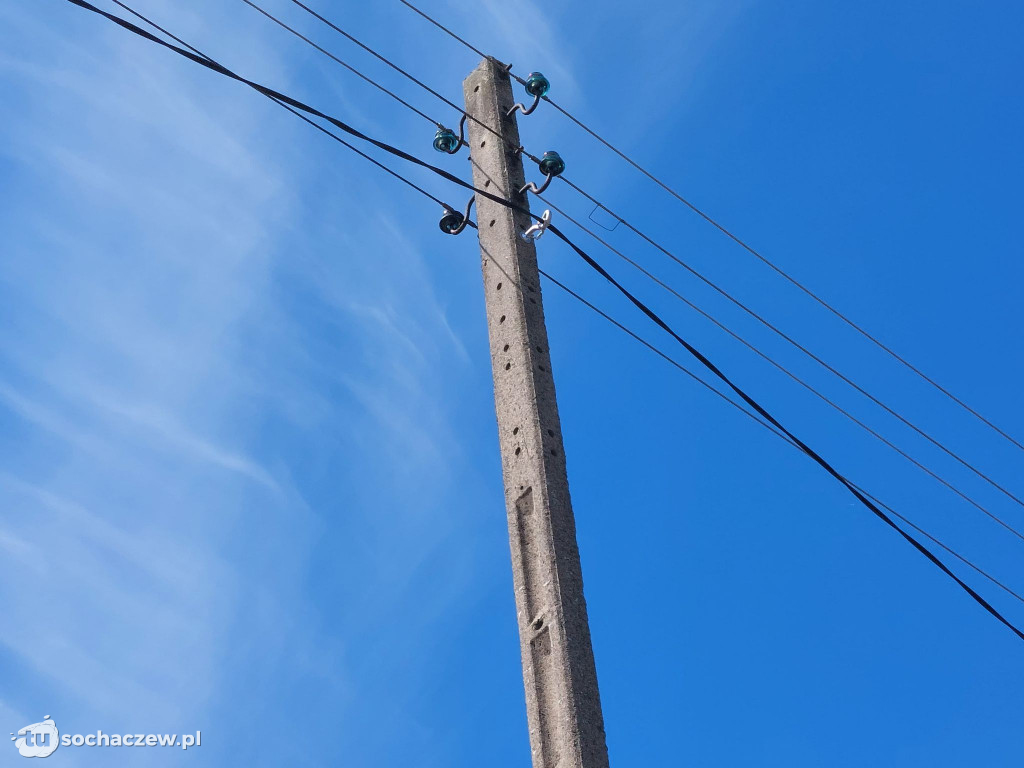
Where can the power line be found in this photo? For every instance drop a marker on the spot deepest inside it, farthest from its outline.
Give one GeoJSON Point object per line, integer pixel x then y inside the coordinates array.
{"type": "Point", "coordinates": [214, 66]}
{"type": "Point", "coordinates": [750, 414]}
{"type": "Point", "coordinates": [285, 106]}
{"type": "Point", "coordinates": [958, 556]}
{"type": "Point", "coordinates": [380, 57]}
{"type": "Point", "coordinates": [724, 293]}
{"type": "Point", "coordinates": [810, 452]}
{"type": "Point", "coordinates": [654, 317]}
{"type": "Point", "coordinates": [682, 368]}
{"type": "Point", "coordinates": [805, 350]}
{"type": "Point", "coordinates": [785, 370]}
{"type": "Point", "coordinates": [347, 66]}
{"type": "Point", "coordinates": [743, 244]}
{"type": "Point", "coordinates": [445, 29]}
{"type": "Point", "coordinates": [675, 363]}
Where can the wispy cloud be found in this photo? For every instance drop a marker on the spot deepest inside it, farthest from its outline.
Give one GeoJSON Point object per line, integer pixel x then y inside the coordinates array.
{"type": "Point", "coordinates": [198, 390]}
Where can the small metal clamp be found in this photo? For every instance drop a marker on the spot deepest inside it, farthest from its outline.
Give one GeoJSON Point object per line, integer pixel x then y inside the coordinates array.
{"type": "Point", "coordinates": [537, 229]}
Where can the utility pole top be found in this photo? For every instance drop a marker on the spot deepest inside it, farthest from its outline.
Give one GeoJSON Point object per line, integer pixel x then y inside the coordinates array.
{"type": "Point", "coordinates": [562, 701]}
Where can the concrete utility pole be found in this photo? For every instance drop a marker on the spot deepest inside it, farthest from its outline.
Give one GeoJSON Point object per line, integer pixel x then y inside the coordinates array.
{"type": "Point", "coordinates": [562, 701]}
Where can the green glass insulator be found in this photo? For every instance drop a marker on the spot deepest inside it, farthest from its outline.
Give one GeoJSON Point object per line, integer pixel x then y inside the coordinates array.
{"type": "Point", "coordinates": [446, 141]}
{"type": "Point", "coordinates": [551, 163]}
{"type": "Point", "coordinates": [537, 84]}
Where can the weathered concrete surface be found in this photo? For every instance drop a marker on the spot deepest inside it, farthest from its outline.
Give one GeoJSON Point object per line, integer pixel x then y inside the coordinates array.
{"type": "Point", "coordinates": [562, 700]}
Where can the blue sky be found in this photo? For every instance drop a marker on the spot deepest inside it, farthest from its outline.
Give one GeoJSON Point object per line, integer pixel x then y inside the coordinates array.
{"type": "Point", "coordinates": [248, 459]}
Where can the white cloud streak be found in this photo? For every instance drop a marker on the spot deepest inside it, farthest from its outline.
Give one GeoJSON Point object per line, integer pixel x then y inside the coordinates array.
{"type": "Point", "coordinates": [185, 367]}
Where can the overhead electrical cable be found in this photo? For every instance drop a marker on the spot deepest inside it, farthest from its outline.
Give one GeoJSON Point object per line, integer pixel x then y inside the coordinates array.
{"type": "Point", "coordinates": [682, 368]}
{"type": "Point", "coordinates": [445, 29]}
{"type": "Point", "coordinates": [404, 73]}
{"type": "Point", "coordinates": [753, 416]}
{"type": "Point", "coordinates": [805, 350]}
{"type": "Point", "coordinates": [693, 271]}
{"type": "Point", "coordinates": [215, 66]}
{"type": "Point", "coordinates": [380, 57]}
{"type": "Point", "coordinates": [810, 452]}
{"type": "Point", "coordinates": [750, 414]}
{"type": "Point", "coordinates": [783, 369]}
{"type": "Point", "coordinates": [343, 63]}
{"type": "Point", "coordinates": [743, 244]}
{"type": "Point", "coordinates": [653, 316]}
{"type": "Point", "coordinates": [280, 103]}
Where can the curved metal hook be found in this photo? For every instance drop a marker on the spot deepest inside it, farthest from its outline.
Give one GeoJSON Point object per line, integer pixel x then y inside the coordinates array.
{"type": "Point", "coordinates": [538, 228]}
{"type": "Point", "coordinates": [462, 132]}
{"type": "Point", "coordinates": [525, 110]}
{"type": "Point", "coordinates": [535, 189]}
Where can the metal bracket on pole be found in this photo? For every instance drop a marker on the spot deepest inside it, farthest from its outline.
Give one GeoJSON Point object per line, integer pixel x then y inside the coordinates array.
{"type": "Point", "coordinates": [535, 189]}
{"type": "Point", "coordinates": [539, 228]}
{"type": "Point", "coordinates": [524, 109]}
